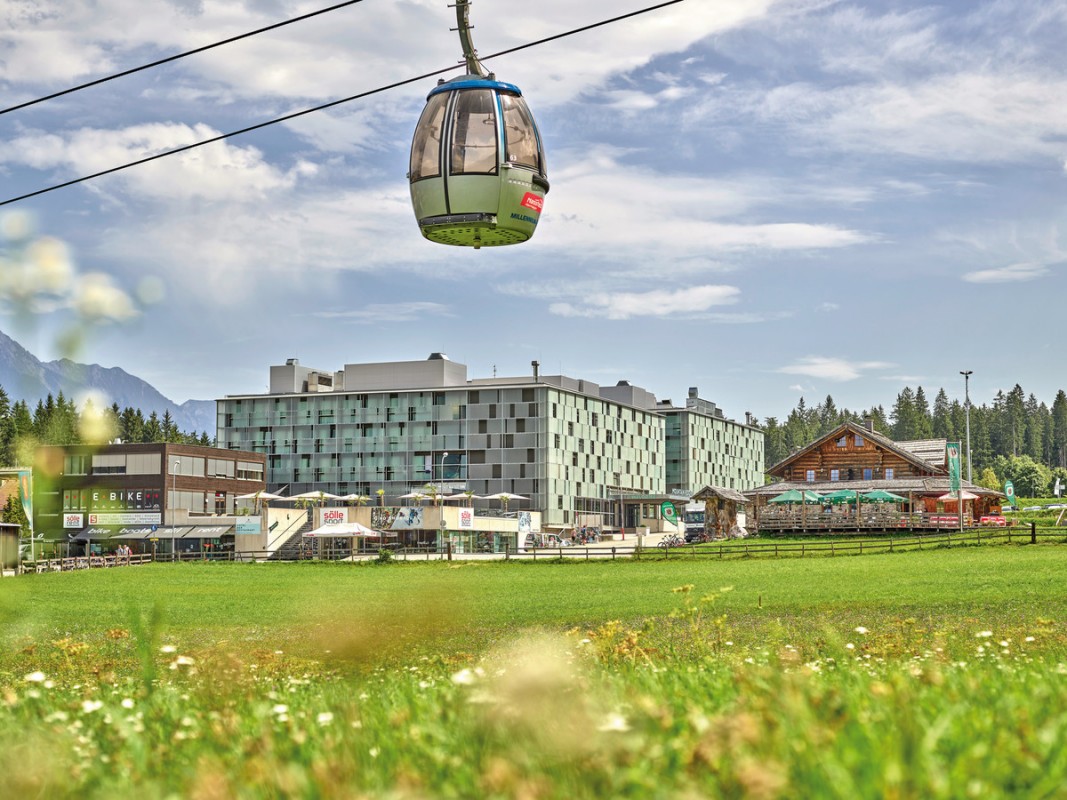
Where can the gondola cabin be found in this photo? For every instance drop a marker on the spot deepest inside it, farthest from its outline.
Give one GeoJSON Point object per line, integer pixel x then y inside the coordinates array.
{"type": "Point", "coordinates": [477, 168]}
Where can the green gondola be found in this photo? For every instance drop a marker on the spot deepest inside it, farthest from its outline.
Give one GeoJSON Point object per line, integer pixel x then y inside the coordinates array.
{"type": "Point", "coordinates": [477, 169]}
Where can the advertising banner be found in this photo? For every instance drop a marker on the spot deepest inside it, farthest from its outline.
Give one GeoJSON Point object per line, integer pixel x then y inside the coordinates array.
{"type": "Point", "coordinates": [466, 519]}
{"type": "Point", "coordinates": [1009, 490]}
{"type": "Point", "coordinates": [952, 450]}
{"type": "Point", "coordinates": [74, 520]}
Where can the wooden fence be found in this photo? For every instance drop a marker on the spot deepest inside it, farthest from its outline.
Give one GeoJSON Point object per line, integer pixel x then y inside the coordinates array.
{"type": "Point", "coordinates": [730, 549]}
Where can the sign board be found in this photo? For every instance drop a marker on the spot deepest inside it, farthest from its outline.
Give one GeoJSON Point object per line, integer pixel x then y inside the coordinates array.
{"type": "Point", "coordinates": [74, 521]}
{"type": "Point", "coordinates": [249, 526]}
{"type": "Point", "coordinates": [334, 516]}
{"type": "Point", "coordinates": [466, 518]}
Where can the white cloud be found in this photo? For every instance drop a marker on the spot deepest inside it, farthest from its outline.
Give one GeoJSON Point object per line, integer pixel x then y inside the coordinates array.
{"type": "Point", "coordinates": [1015, 273]}
{"type": "Point", "coordinates": [219, 171]}
{"type": "Point", "coordinates": [833, 369]}
{"type": "Point", "coordinates": [381, 313]}
{"type": "Point", "coordinates": [828, 307]}
{"type": "Point", "coordinates": [656, 303]}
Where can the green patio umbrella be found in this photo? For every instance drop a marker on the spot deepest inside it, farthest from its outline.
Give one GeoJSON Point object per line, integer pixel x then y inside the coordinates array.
{"type": "Point", "coordinates": [882, 496]}
{"type": "Point", "coordinates": [796, 496]}
{"type": "Point", "coordinates": [840, 496]}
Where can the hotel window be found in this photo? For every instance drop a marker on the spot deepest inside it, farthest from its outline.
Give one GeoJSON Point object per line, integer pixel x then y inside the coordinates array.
{"type": "Point", "coordinates": [810, 475]}
{"type": "Point", "coordinates": [889, 473]}
{"type": "Point", "coordinates": [835, 475]}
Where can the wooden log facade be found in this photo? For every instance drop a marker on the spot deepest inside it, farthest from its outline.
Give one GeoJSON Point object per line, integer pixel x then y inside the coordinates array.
{"type": "Point", "coordinates": [852, 456]}
{"type": "Point", "coordinates": [857, 458]}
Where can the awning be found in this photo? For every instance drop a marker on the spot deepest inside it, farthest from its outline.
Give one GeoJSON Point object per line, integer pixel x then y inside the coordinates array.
{"type": "Point", "coordinates": [209, 531]}
{"type": "Point", "coordinates": [160, 533]}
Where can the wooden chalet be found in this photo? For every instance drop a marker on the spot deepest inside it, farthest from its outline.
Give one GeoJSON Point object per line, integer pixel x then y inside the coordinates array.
{"type": "Point", "coordinates": [858, 458]}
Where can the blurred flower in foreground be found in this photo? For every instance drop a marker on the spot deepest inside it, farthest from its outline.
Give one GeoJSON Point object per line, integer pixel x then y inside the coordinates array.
{"type": "Point", "coordinates": [38, 275]}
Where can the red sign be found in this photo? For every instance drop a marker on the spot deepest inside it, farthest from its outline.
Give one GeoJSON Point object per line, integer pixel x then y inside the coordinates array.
{"type": "Point", "coordinates": [534, 201]}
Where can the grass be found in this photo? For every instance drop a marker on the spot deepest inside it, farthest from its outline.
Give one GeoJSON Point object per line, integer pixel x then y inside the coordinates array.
{"type": "Point", "coordinates": [932, 674]}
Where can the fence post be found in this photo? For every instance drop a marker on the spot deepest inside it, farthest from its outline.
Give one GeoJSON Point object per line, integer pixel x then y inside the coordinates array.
{"type": "Point", "coordinates": [613, 552]}
{"type": "Point", "coordinates": [448, 549]}
{"type": "Point", "coordinates": [507, 551]}
{"type": "Point", "coordinates": [1033, 533]}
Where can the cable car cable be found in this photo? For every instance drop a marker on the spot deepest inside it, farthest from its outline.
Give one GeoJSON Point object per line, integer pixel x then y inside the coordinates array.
{"type": "Point", "coordinates": [168, 59]}
{"type": "Point", "coordinates": [324, 106]}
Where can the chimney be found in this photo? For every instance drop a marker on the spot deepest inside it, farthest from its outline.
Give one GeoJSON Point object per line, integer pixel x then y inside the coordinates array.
{"type": "Point", "coordinates": [868, 423]}
{"type": "Point", "coordinates": [536, 368]}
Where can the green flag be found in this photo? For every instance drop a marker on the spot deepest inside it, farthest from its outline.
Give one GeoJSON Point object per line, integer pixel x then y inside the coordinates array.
{"type": "Point", "coordinates": [952, 451]}
{"type": "Point", "coordinates": [669, 512]}
{"type": "Point", "coordinates": [1009, 490]}
{"type": "Point", "coordinates": [26, 495]}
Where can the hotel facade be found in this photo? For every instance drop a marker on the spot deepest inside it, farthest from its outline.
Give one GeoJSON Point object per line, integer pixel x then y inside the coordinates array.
{"type": "Point", "coordinates": [575, 449]}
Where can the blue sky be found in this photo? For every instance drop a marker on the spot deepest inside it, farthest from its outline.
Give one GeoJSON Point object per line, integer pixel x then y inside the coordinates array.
{"type": "Point", "coordinates": [761, 199]}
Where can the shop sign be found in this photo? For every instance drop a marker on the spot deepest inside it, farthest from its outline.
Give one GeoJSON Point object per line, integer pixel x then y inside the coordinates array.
{"type": "Point", "coordinates": [127, 518]}
{"type": "Point", "coordinates": [73, 520]}
{"type": "Point", "coordinates": [466, 518]}
{"type": "Point", "coordinates": [333, 516]}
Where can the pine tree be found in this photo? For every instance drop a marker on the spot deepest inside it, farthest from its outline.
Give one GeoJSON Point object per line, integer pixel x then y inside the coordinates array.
{"type": "Point", "coordinates": [942, 426]}
{"type": "Point", "coordinates": [904, 416]}
{"type": "Point", "coordinates": [1059, 429]}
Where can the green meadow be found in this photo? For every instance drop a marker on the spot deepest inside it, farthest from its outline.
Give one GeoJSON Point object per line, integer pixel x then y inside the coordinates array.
{"type": "Point", "coordinates": [938, 673]}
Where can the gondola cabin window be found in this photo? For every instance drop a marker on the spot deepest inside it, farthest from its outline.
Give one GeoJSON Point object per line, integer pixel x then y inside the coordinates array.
{"type": "Point", "coordinates": [426, 150]}
{"type": "Point", "coordinates": [474, 140]}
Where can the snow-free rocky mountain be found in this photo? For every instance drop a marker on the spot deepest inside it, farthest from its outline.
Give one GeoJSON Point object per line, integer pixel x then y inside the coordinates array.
{"type": "Point", "coordinates": [25, 377]}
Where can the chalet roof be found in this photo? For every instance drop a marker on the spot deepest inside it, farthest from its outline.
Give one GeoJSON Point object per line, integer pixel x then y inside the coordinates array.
{"type": "Point", "coordinates": [873, 436]}
{"type": "Point", "coordinates": [932, 450]}
{"type": "Point", "coordinates": [921, 486]}
{"type": "Point", "coordinates": [720, 492]}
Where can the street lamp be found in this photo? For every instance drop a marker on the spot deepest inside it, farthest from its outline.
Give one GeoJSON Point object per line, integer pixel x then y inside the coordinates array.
{"type": "Point", "coordinates": [174, 500]}
{"type": "Point", "coordinates": [444, 455]}
{"type": "Point", "coordinates": [967, 414]}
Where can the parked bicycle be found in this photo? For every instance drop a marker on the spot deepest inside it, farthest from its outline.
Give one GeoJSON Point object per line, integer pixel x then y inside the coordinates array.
{"type": "Point", "coordinates": [673, 540]}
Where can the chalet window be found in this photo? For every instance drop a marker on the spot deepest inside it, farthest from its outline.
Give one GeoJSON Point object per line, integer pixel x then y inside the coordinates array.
{"type": "Point", "coordinates": [859, 440]}
{"type": "Point", "coordinates": [835, 474]}
{"type": "Point", "coordinates": [842, 442]}
{"type": "Point", "coordinates": [811, 476]}
{"type": "Point", "coordinates": [868, 473]}
{"type": "Point", "coordinates": [889, 473]}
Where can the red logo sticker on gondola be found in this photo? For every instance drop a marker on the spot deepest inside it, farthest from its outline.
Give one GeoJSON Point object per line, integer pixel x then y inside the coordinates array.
{"type": "Point", "coordinates": [536, 202]}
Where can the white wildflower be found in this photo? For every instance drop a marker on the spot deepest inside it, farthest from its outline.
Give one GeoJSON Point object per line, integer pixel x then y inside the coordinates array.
{"type": "Point", "coordinates": [324, 718]}
{"type": "Point", "coordinates": [860, 629]}
{"type": "Point", "coordinates": [614, 723]}
{"type": "Point", "coordinates": [89, 706]}
{"type": "Point", "coordinates": [35, 677]}
{"type": "Point", "coordinates": [465, 677]}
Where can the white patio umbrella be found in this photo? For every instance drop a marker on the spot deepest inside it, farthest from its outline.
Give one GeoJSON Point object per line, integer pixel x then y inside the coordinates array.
{"type": "Point", "coordinates": [260, 496]}
{"type": "Point", "coordinates": [345, 530]}
{"type": "Point", "coordinates": [412, 496]}
{"type": "Point", "coordinates": [505, 498]}
{"type": "Point", "coordinates": [353, 498]}
{"type": "Point", "coordinates": [315, 496]}
{"type": "Point", "coordinates": [965, 495]}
